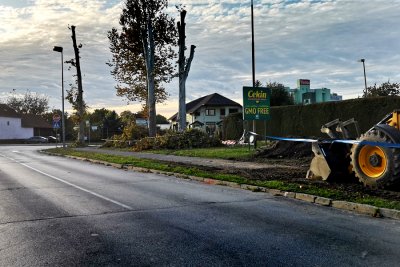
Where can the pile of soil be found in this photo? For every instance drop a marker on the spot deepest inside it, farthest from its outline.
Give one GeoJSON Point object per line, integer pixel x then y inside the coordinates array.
{"type": "Point", "coordinates": [285, 150]}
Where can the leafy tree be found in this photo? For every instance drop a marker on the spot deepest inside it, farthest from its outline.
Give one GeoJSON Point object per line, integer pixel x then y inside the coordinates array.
{"type": "Point", "coordinates": [143, 52]}
{"type": "Point", "coordinates": [30, 103]}
{"type": "Point", "coordinates": [112, 124]}
{"type": "Point", "coordinates": [127, 117]}
{"type": "Point", "coordinates": [385, 89]}
{"type": "Point", "coordinates": [97, 118]}
{"type": "Point", "coordinates": [160, 119]}
{"type": "Point", "coordinates": [279, 95]}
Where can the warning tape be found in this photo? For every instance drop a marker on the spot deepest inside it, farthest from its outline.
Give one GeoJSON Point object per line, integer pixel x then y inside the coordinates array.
{"type": "Point", "coordinates": [345, 141]}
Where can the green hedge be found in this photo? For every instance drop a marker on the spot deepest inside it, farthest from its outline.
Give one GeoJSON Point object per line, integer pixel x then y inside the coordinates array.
{"type": "Point", "coordinates": [306, 120]}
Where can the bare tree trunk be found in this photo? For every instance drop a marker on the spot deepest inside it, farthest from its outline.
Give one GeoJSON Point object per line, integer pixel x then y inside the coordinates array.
{"type": "Point", "coordinates": [151, 100]}
{"type": "Point", "coordinates": [184, 68]}
{"type": "Point", "coordinates": [181, 62]}
{"type": "Point", "coordinates": [81, 108]}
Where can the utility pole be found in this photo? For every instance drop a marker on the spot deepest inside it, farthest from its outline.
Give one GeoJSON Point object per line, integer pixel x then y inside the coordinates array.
{"type": "Point", "coordinates": [253, 56]}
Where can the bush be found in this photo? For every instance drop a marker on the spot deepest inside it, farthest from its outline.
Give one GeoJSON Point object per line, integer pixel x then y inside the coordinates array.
{"type": "Point", "coordinates": [232, 126]}
{"type": "Point", "coordinates": [130, 133]}
{"type": "Point", "coordinates": [192, 138]}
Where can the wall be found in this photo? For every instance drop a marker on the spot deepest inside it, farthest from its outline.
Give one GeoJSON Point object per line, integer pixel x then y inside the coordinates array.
{"type": "Point", "coordinates": [306, 120]}
{"type": "Point", "coordinates": [10, 128]}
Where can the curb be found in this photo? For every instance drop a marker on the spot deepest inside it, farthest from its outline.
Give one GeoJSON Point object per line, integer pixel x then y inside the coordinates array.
{"type": "Point", "coordinates": [363, 209]}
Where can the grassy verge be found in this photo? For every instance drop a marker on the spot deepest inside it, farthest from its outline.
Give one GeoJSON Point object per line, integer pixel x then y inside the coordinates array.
{"type": "Point", "coordinates": [195, 171]}
{"type": "Point", "coordinates": [234, 152]}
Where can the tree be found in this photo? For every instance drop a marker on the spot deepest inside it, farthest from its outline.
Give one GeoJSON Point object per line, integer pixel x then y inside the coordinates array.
{"type": "Point", "coordinates": [142, 53]}
{"type": "Point", "coordinates": [160, 119]}
{"type": "Point", "coordinates": [127, 117]}
{"type": "Point", "coordinates": [279, 95]}
{"type": "Point", "coordinates": [112, 124]}
{"type": "Point", "coordinates": [385, 89]}
{"type": "Point", "coordinates": [75, 94]}
{"type": "Point", "coordinates": [30, 103]}
{"type": "Point", "coordinates": [184, 68]}
{"type": "Point", "coordinates": [97, 118]}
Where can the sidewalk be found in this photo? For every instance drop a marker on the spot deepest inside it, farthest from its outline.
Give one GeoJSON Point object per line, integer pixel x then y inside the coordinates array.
{"type": "Point", "coordinates": [207, 162]}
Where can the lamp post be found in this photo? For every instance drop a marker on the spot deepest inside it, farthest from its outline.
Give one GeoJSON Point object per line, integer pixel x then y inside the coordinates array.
{"type": "Point", "coordinates": [365, 76]}
{"type": "Point", "coordinates": [60, 49]}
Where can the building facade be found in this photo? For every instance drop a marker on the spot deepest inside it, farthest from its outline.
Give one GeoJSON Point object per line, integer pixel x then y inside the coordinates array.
{"type": "Point", "coordinates": [14, 126]}
{"type": "Point", "coordinates": [303, 94]}
{"type": "Point", "coordinates": [208, 112]}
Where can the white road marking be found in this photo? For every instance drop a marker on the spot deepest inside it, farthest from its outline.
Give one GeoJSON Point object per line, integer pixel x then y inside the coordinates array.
{"type": "Point", "coordinates": [71, 184]}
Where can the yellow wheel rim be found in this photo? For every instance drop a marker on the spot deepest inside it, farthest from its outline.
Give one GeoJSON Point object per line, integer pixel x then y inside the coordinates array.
{"type": "Point", "coordinates": [372, 161]}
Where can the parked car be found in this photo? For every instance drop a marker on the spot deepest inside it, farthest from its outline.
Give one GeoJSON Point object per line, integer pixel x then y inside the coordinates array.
{"type": "Point", "coordinates": [36, 140]}
{"type": "Point", "coordinates": [52, 139]}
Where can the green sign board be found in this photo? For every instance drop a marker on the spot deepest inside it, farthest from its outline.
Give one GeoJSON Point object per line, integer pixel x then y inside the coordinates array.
{"type": "Point", "coordinates": [256, 104]}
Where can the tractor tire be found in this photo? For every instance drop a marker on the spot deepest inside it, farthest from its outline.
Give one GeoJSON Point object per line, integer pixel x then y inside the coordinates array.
{"type": "Point", "coordinates": [374, 166]}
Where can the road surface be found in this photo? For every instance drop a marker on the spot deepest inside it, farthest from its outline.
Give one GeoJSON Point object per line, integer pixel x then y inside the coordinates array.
{"type": "Point", "coordinates": [56, 211]}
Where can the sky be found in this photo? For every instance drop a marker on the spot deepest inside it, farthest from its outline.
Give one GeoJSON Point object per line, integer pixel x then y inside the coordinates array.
{"type": "Point", "coordinates": [302, 39]}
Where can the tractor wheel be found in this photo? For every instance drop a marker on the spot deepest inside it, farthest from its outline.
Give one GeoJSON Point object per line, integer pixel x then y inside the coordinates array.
{"type": "Point", "coordinates": [376, 166]}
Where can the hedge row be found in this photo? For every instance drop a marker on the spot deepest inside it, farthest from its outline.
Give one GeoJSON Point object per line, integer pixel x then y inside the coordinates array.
{"type": "Point", "coordinates": [306, 120]}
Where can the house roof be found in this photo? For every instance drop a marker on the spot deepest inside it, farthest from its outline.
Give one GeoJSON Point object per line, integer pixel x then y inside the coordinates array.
{"type": "Point", "coordinates": [6, 111]}
{"type": "Point", "coordinates": [208, 100]}
{"type": "Point", "coordinates": [34, 121]}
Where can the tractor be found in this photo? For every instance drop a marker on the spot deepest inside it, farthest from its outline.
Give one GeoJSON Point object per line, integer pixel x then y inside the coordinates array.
{"type": "Point", "coordinates": [373, 157]}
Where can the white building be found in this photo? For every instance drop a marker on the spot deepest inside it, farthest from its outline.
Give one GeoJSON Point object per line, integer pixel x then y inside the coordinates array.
{"type": "Point", "coordinates": [14, 126]}
{"type": "Point", "coordinates": [207, 112]}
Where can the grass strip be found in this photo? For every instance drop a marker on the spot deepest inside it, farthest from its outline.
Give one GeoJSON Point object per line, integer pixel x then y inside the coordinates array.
{"type": "Point", "coordinates": [234, 152]}
{"type": "Point", "coordinates": [194, 171]}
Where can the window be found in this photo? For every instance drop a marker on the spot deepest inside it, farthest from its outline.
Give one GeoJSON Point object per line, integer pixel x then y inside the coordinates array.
{"type": "Point", "coordinates": [210, 112]}
{"type": "Point", "coordinates": [222, 112]}
{"type": "Point", "coordinates": [233, 110]}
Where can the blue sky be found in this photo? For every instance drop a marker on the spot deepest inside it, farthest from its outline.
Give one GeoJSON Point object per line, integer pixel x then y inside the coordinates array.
{"type": "Point", "coordinates": [317, 40]}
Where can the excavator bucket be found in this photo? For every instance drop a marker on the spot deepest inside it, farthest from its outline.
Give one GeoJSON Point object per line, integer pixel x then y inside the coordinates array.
{"type": "Point", "coordinates": [331, 161]}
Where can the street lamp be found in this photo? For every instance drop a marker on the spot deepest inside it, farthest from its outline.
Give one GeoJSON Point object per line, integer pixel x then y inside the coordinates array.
{"type": "Point", "coordinates": [365, 76]}
{"type": "Point", "coordinates": [60, 49]}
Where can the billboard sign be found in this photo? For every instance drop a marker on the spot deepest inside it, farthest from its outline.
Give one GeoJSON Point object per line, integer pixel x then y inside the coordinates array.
{"type": "Point", "coordinates": [256, 103]}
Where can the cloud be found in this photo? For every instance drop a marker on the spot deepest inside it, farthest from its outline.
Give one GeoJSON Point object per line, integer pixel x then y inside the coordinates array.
{"type": "Point", "coordinates": [316, 40]}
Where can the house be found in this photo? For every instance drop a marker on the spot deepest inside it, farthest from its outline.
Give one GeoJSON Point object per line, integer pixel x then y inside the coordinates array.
{"type": "Point", "coordinates": [207, 112]}
{"type": "Point", "coordinates": [14, 126]}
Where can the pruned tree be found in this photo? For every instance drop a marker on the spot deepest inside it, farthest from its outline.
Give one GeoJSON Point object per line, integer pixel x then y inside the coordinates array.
{"type": "Point", "coordinates": [29, 103]}
{"type": "Point", "coordinates": [385, 89]}
{"type": "Point", "coordinates": [75, 94]}
{"type": "Point", "coordinates": [142, 53]}
{"type": "Point", "coordinates": [184, 68]}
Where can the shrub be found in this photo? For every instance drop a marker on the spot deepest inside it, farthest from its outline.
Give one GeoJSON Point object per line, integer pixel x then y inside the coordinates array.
{"type": "Point", "coordinates": [130, 133]}
{"type": "Point", "coordinates": [232, 126]}
{"type": "Point", "coordinates": [192, 138]}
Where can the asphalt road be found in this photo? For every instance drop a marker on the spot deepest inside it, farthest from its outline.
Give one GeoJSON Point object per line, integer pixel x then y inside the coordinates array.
{"type": "Point", "coordinates": [56, 211]}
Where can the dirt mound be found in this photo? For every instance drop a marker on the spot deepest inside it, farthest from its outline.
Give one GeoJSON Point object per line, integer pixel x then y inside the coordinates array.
{"type": "Point", "coordinates": [285, 150]}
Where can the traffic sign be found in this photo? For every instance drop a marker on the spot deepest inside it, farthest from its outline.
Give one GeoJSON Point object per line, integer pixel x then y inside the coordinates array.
{"type": "Point", "coordinates": [56, 124]}
{"type": "Point", "coordinates": [56, 118]}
